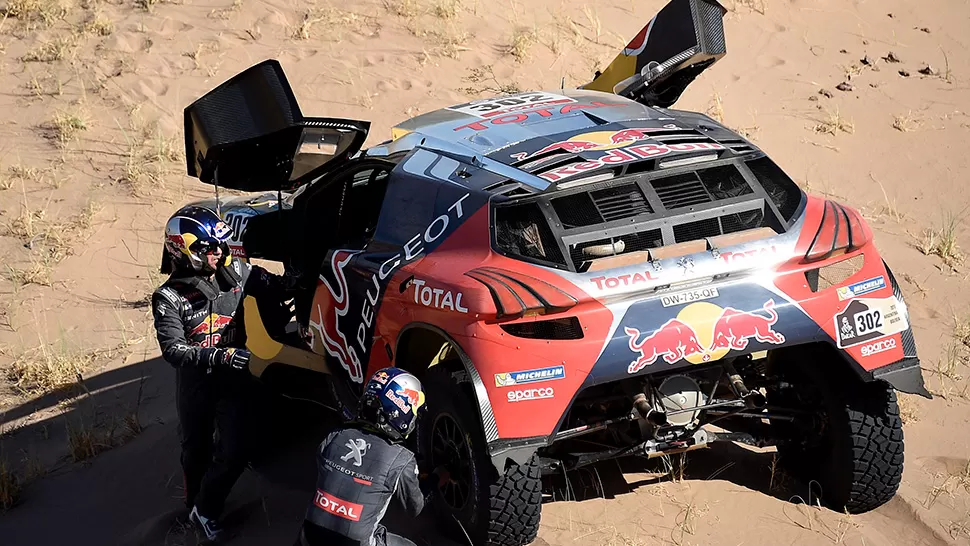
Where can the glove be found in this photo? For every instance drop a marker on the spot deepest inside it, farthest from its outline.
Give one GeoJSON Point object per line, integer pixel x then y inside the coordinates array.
{"type": "Point", "coordinates": [237, 359]}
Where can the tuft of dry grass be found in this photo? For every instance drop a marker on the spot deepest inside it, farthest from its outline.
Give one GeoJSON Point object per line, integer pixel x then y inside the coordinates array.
{"type": "Point", "coordinates": [403, 8]}
{"type": "Point", "coordinates": [35, 12]}
{"type": "Point", "coordinates": [65, 127]}
{"type": "Point", "coordinates": [961, 330]}
{"type": "Point", "coordinates": [716, 109]}
{"type": "Point", "coordinates": [942, 241]}
{"type": "Point", "coordinates": [99, 24]}
{"type": "Point", "coordinates": [39, 272]}
{"type": "Point", "coordinates": [521, 43]}
{"type": "Point", "coordinates": [335, 22]}
{"type": "Point", "coordinates": [905, 123]}
{"type": "Point", "coordinates": [908, 410]}
{"type": "Point", "coordinates": [947, 370]}
{"type": "Point", "coordinates": [758, 6]}
{"type": "Point", "coordinates": [484, 80]}
{"type": "Point", "coordinates": [52, 50]}
{"type": "Point", "coordinates": [9, 487]}
{"type": "Point", "coordinates": [55, 239]}
{"type": "Point", "coordinates": [833, 124]}
{"type": "Point", "coordinates": [86, 442]}
{"type": "Point", "coordinates": [446, 9]}
{"type": "Point", "coordinates": [47, 369]}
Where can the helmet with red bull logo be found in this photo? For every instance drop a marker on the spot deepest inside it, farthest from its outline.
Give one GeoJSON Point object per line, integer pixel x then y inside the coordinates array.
{"type": "Point", "coordinates": [391, 402]}
{"type": "Point", "coordinates": [191, 233]}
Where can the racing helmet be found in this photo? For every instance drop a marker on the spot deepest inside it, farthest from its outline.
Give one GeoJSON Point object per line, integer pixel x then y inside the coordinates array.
{"type": "Point", "coordinates": [391, 401]}
{"type": "Point", "coordinates": [191, 233]}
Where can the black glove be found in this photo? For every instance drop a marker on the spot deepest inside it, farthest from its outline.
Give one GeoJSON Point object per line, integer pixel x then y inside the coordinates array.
{"type": "Point", "coordinates": [237, 359]}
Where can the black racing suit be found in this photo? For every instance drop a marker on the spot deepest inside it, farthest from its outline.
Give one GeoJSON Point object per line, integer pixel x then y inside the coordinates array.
{"type": "Point", "coordinates": [358, 474]}
{"type": "Point", "coordinates": [196, 318]}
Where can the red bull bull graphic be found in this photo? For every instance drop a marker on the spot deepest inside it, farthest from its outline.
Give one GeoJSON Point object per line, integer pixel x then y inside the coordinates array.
{"type": "Point", "coordinates": [673, 341]}
{"type": "Point", "coordinates": [703, 332]}
{"type": "Point", "coordinates": [411, 395]}
{"type": "Point", "coordinates": [598, 140]}
{"type": "Point", "coordinates": [735, 328]}
{"type": "Point", "coordinates": [211, 327]}
{"type": "Point", "coordinates": [627, 155]}
{"type": "Point", "coordinates": [328, 323]}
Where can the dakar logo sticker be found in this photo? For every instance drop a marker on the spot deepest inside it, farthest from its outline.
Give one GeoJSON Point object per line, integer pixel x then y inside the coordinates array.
{"type": "Point", "coordinates": [703, 332]}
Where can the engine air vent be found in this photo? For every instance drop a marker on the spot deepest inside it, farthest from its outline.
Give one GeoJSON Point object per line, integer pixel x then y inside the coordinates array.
{"type": "Point", "coordinates": [621, 202]}
{"type": "Point", "coordinates": [564, 328]}
{"type": "Point", "coordinates": [682, 190]}
{"type": "Point", "coordinates": [577, 210]}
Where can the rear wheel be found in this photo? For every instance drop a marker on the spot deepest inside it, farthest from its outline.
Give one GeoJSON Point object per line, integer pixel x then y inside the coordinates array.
{"type": "Point", "coordinates": [851, 442]}
{"type": "Point", "coordinates": [494, 509]}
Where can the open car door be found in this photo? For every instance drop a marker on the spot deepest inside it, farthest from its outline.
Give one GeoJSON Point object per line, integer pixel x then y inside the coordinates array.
{"type": "Point", "coordinates": [249, 134]}
{"type": "Point", "coordinates": [681, 41]}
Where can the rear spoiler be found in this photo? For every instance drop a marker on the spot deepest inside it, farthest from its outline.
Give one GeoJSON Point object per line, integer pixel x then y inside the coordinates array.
{"type": "Point", "coordinates": [681, 41]}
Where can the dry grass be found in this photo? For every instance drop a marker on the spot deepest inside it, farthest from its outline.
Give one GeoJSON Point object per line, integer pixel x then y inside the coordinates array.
{"type": "Point", "coordinates": [403, 8]}
{"type": "Point", "coordinates": [833, 124]}
{"type": "Point", "coordinates": [758, 6]}
{"type": "Point", "coordinates": [36, 12]}
{"type": "Point", "coordinates": [484, 80]}
{"type": "Point", "coordinates": [891, 206]}
{"type": "Point", "coordinates": [942, 241]}
{"type": "Point", "coordinates": [446, 9]}
{"type": "Point", "coordinates": [39, 272]}
{"type": "Point", "coordinates": [65, 127]}
{"type": "Point", "coordinates": [334, 22]}
{"type": "Point", "coordinates": [961, 330]}
{"type": "Point", "coordinates": [716, 109]}
{"type": "Point", "coordinates": [947, 370]}
{"type": "Point", "coordinates": [905, 123]}
{"type": "Point", "coordinates": [55, 239]}
{"type": "Point", "coordinates": [99, 24]}
{"type": "Point", "coordinates": [86, 442]}
{"type": "Point", "coordinates": [521, 43]}
{"type": "Point", "coordinates": [47, 368]}
{"type": "Point", "coordinates": [56, 49]}
{"type": "Point", "coordinates": [908, 410]}
{"type": "Point", "coordinates": [9, 487]}
{"type": "Point", "coordinates": [950, 482]}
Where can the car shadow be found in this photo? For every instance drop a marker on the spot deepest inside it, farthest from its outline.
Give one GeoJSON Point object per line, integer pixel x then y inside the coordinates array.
{"type": "Point", "coordinates": [758, 471]}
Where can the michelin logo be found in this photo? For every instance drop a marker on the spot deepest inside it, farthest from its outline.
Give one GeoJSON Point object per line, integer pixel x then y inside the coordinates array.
{"type": "Point", "coordinates": [860, 288]}
{"type": "Point", "coordinates": [529, 376]}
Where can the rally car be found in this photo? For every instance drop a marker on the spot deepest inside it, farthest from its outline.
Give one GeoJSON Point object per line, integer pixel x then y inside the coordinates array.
{"type": "Point", "coordinates": [575, 275]}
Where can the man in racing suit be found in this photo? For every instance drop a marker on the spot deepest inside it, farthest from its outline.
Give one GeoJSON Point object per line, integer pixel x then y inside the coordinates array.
{"type": "Point", "coordinates": [198, 321]}
{"type": "Point", "coordinates": [362, 467]}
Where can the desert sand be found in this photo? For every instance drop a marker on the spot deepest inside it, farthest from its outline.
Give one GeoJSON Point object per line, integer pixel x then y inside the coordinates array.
{"type": "Point", "coordinates": [865, 102]}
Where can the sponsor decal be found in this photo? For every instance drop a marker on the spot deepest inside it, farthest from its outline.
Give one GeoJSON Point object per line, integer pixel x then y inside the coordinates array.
{"type": "Point", "coordinates": [760, 253]}
{"type": "Point", "coordinates": [331, 465]}
{"type": "Point", "coordinates": [689, 296]}
{"type": "Point", "coordinates": [336, 506]}
{"type": "Point", "coordinates": [860, 288]}
{"type": "Point", "coordinates": [220, 230]}
{"type": "Point", "coordinates": [437, 297]}
{"type": "Point", "coordinates": [596, 141]}
{"type": "Point", "coordinates": [401, 403]}
{"type": "Point", "coordinates": [703, 332]}
{"type": "Point", "coordinates": [237, 222]}
{"type": "Point", "coordinates": [412, 396]}
{"type": "Point", "coordinates": [498, 106]}
{"type": "Point", "coordinates": [538, 375]}
{"type": "Point", "coordinates": [358, 448]}
{"type": "Point", "coordinates": [634, 279]}
{"type": "Point", "coordinates": [176, 240]}
{"type": "Point", "coordinates": [381, 377]}
{"type": "Point", "coordinates": [626, 155]}
{"type": "Point", "coordinates": [211, 327]}
{"type": "Point", "coordinates": [879, 346]}
{"type": "Point", "coordinates": [541, 111]}
{"type": "Point", "coordinates": [332, 305]}
{"type": "Point", "coordinates": [530, 394]}
{"type": "Point", "coordinates": [866, 319]}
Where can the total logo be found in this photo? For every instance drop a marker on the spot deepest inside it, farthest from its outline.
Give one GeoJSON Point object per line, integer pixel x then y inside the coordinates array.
{"type": "Point", "coordinates": [530, 394]}
{"type": "Point", "coordinates": [440, 298]}
{"type": "Point", "coordinates": [703, 332]}
{"type": "Point", "coordinates": [338, 507]}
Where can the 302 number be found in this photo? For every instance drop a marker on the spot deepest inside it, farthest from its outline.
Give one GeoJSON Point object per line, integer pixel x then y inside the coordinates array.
{"type": "Point", "coordinates": [868, 322]}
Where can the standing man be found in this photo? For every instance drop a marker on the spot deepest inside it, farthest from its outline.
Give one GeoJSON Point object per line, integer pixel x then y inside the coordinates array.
{"type": "Point", "coordinates": [198, 315]}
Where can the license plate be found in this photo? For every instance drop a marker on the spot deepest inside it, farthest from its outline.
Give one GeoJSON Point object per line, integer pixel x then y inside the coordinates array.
{"type": "Point", "coordinates": [689, 296]}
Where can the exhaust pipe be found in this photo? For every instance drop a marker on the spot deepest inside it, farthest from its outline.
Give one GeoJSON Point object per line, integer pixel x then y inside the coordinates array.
{"type": "Point", "coordinates": [648, 412]}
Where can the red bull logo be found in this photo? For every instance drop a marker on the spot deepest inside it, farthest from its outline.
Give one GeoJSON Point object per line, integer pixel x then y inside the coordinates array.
{"type": "Point", "coordinates": [327, 323]}
{"type": "Point", "coordinates": [212, 324]}
{"type": "Point", "coordinates": [704, 332]}
{"type": "Point", "coordinates": [673, 341]}
{"type": "Point", "coordinates": [735, 328]}
{"type": "Point", "coordinates": [412, 396]}
{"type": "Point", "coordinates": [595, 141]}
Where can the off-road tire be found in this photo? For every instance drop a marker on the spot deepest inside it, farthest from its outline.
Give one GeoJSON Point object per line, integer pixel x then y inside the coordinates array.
{"type": "Point", "coordinates": [857, 454]}
{"type": "Point", "coordinates": [504, 508]}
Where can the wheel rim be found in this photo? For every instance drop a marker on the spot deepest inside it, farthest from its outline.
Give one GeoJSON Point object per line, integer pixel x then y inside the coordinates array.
{"type": "Point", "coordinates": [450, 449]}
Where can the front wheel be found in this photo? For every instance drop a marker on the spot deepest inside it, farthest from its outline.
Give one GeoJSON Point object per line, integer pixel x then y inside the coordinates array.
{"type": "Point", "coordinates": [493, 509]}
{"type": "Point", "coordinates": [853, 447]}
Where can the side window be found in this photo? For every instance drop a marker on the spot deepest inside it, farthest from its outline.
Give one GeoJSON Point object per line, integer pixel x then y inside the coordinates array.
{"type": "Point", "coordinates": [365, 195]}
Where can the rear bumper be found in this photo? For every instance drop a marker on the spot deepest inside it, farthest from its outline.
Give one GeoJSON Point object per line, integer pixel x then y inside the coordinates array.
{"type": "Point", "coordinates": [905, 376]}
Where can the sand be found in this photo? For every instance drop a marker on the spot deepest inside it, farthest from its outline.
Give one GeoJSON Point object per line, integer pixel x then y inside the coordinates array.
{"type": "Point", "coordinates": [92, 94]}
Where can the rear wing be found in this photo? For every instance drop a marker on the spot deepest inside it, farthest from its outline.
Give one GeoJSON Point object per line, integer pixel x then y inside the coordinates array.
{"type": "Point", "coordinates": [681, 41]}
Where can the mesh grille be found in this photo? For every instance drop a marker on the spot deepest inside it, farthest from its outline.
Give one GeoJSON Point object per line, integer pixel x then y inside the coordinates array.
{"type": "Point", "coordinates": [724, 182]}
{"type": "Point", "coordinates": [782, 190]}
{"type": "Point", "coordinates": [621, 202]}
{"type": "Point", "coordinates": [697, 230]}
{"type": "Point", "coordinates": [566, 328]}
{"type": "Point", "coordinates": [576, 210]}
{"type": "Point", "coordinates": [713, 26]}
{"type": "Point", "coordinates": [835, 274]}
{"type": "Point", "coordinates": [741, 221]}
{"type": "Point", "coordinates": [522, 230]}
{"type": "Point", "coordinates": [681, 190]}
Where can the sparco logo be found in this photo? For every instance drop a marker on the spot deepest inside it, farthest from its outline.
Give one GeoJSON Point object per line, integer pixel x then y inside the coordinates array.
{"type": "Point", "coordinates": [879, 346]}
{"type": "Point", "coordinates": [327, 322]}
{"type": "Point", "coordinates": [530, 394]}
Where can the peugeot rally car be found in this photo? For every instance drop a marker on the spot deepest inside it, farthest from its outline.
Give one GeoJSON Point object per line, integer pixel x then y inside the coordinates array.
{"type": "Point", "coordinates": [575, 275]}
